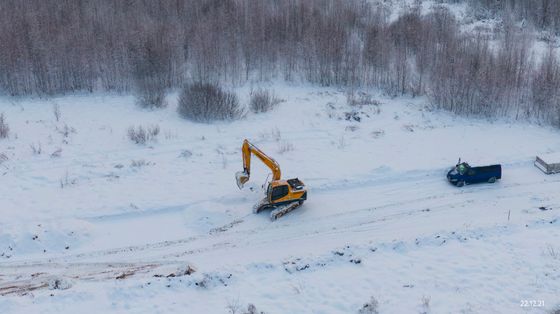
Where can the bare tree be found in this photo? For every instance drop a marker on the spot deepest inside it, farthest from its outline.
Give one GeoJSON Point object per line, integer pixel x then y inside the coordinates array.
{"type": "Point", "coordinates": [546, 89]}
{"type": "Point", "coordinates": [4, 128]}
{"type": "Point", "coordinates": [53, 47]}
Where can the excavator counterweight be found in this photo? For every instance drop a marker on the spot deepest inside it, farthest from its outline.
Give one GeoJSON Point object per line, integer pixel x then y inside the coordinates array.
{"type": "Point", "coordinates": [282, 196]}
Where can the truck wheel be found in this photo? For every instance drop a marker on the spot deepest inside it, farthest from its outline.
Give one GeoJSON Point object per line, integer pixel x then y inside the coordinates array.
{"type": "Point", "coordinates": [492, 180]}
{"type": "Point", "coordinates": [460, 184]}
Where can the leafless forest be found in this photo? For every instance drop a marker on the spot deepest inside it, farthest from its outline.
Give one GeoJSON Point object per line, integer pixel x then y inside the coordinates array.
{"type": "Point", "coordinates": [149, 46]}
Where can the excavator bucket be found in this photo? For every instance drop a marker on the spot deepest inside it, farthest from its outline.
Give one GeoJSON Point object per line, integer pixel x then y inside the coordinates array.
{"type": "Point", "coordinates": [241, 177]}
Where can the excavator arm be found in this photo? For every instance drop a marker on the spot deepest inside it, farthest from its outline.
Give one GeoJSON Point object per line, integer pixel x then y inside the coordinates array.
{"type": "Point", "coordinates": [247, 149]}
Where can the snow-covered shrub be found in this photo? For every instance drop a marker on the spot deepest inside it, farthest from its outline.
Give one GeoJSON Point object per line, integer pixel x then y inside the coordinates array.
{"type": "Point", "coordinates": [59, 283]}
{"type": "Point", "coordinates": [553, 252]}
{"type": "Point", "coordinates": [36, 148]}
{"type": "Point", "coordinates": [185, 153]}
{"type": "Point", "coordinates": [205, 102]}
{"type": "Point", "coordinates": [408, 127]}
{"type": "Point", "coordinates": [272, 134]}
{"type": "Point", "coordinates": [233, 306]}
{"type": "Point", "coordinates": [65, 130]}
{"type": "Point", "coordinates": [370, 307]}
{"type": "Point", "coordinates": [285, 147]}
{"type": "Point", "coordinates": [139, 163]}
{"type": "Point", "coordinates": [170, 135]}
{"type": "Point", "coordinates": [67, 181]}
{"type": "Point", "coordinates": [262, 100]}
{"type": "Point", "coordinates": [210, 280]}
{"type": "Point", "coordinates": [141, 135]}
{"type": "Point", "coordinates": [56, 153]}
{"type": "Point", "coordinates": [252, 309]}
{"type": "Point", "coordinates": [377, 133]}
{"type": "Point", "coordinates": [185, 270]}
{"type": "Point", "coordinates": [4, 128]}
{"type": "Point", "coordinates": [362, 99]}
{"type": "Point", "coordinates": [425, 306]}
{"type": "Point", "coordinates": [150, 93]}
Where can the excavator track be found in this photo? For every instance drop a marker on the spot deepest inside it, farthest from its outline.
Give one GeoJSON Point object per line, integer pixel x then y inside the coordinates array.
{"type": "Point", "coordinates": [282, 210]}
{"type": "Point", "coordinates": [277, 210]}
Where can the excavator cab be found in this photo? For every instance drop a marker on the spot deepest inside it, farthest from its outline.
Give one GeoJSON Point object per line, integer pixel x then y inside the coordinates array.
{"type": "Point", "coordinates": [282, 196]}
{"type": "Point", "coordinates": [282, 191]}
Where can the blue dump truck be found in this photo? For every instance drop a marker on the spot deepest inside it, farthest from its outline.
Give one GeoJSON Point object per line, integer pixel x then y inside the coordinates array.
{"type": "Point", "coordinates": [463, 174]}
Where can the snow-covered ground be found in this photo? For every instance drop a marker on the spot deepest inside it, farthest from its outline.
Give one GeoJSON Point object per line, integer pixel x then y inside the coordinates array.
{"type": "Point", "coordinates": [95, 223]}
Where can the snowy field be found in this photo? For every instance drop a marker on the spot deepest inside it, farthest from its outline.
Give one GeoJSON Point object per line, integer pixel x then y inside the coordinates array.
{"type": "Point", "coordinates": [93, 223]}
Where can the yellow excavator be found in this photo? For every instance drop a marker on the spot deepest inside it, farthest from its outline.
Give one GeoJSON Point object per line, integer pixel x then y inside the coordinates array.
{"type": "Point", "coordinates": [282, 196]}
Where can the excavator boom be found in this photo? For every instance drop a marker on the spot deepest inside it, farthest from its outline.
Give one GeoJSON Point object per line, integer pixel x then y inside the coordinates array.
{"type": "Point", "coordinates": [247, 149]}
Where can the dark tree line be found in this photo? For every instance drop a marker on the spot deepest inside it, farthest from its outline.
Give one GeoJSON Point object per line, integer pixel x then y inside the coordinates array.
{"type": "Point", "coordinates": [51, 47]}
{"type": "Point", "coordinates": [147, 46]}
{"type": "Point", "coordinates": [542, 14]}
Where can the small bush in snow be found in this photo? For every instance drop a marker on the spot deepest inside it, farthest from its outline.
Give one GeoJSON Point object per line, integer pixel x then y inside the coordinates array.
{"type": "Point", "coordinates": [66, 130]}
{"type": "Point", "coordinates": [205, 102]}
{"type": "Point", "coordinates": [408, 127]}
{"type": "Point", "coordinates": [273, 134]}
{"type": "Point", "coordinates": [555, 254]}
{"type": "Point", "coordinates": [252, 309]}
{"type": "Point", "coordinates": [262, 100]}
{"type": "Point", "coordinates": [150, 93]}
{"type": "Point", "coordinates": [362, 99]}
{"type": "Point", "coordinates": [36, 148]}
{"type": "Point", "coordinates": [56, 153]}
{"type": "Point", "coordinates": [169, 135]}
{"type": "Point", "coordinates": [4, 128]}
{"type": "Point", "coordinates": [370, 307]}
{"type": "Point", "coordinates": [59, 284]}
{"type": "Point", "coordinates": [142, 135]}
{"type": "Point", "coordinates": [233, 306]}
{"type": "Point", "coordinates": [351, 128]}
{"type": "Point", "coordinates": [285, 147]}
{"type": "Point", "coordinates": [425, 305]}
{"type": "Point", "coordinates": [67, 181]}
{"type": "Point", "coordinates": [377, 133]}
{"type": "Point", "coordinates": [185, 153]}
{"type": "Point", "coordinates": [139, 163]}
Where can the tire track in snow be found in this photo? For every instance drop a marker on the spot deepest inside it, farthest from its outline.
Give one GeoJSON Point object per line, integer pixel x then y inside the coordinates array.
{"type": "Point", "coordinates": [279, 229]}
{"type": "Point", "coordinates": [347, 221]}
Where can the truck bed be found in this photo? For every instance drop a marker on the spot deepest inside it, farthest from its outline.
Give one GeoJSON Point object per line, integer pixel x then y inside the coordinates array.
{"type": "Point", "coordinates": [493, 170]}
